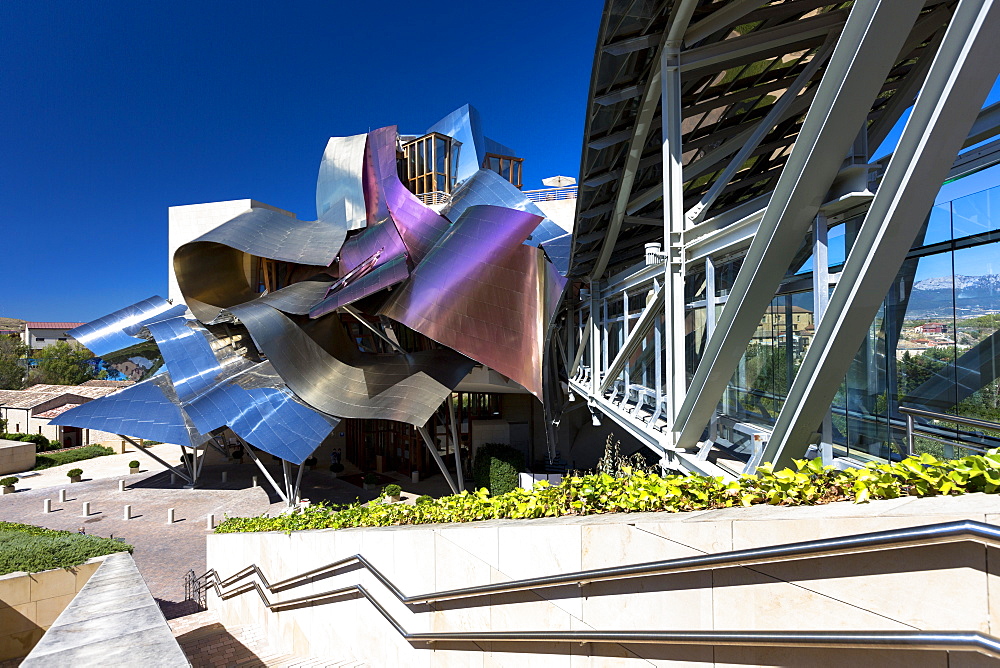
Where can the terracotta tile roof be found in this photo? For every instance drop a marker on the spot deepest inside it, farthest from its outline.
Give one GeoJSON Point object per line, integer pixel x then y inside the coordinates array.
{"type": "Point", "coordinates": [26, 399]}
{"type": "Point", "coordinates": [53, 325]}
{"type": "Point", "coordinates": [108, 383]}
{"type": "Point", "coordinates": [56, 412]}
{"type": "Point", "coordinates": [89, 391]}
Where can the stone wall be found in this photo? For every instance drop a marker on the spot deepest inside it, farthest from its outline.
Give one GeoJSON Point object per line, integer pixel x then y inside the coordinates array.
{"type": "Point", "coordinates": [30, 603]}
{"type": "Point", "coordinates": [16, 457]}
{"type": "Point", "coordinates": [942, 587]}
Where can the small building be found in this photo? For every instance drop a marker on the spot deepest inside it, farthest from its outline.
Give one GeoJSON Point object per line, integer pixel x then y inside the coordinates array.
{"type": "Point", "coordinates": [37, 335]}
{"type": "Point", "coordinates": [29, 411]}
{"type": "Point", "coordinates": [931, 328]}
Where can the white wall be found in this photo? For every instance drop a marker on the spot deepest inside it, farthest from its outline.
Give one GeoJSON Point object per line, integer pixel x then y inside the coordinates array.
{"type": "Point", "coordinates": [942, 587]}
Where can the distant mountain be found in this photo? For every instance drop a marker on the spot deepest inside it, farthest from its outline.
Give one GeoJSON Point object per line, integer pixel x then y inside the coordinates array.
{"type": "Point", "coordinates": [932, 297]}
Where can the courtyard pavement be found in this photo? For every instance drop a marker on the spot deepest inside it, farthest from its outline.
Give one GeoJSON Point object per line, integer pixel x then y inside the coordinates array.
{"type": "Point", "coordinates": [165, 552]}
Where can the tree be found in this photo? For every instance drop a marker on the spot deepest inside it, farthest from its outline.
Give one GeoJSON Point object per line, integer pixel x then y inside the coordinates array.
{"type": "Point", "coordinates": [62, 364]}
{"type": "Point", "coordinates": [12, 369]}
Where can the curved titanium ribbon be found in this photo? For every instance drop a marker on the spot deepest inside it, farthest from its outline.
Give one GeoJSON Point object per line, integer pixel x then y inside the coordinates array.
{"type": "Point", "coordinates": [482, 292]}
{"type": "Point", "coordinates": [342, 381]}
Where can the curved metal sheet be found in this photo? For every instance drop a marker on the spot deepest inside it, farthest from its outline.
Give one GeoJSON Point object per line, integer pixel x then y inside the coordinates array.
{"type": "Point", "coordinates": [211, 271]}
{"type": "Point", "coordinates": [149, 410]}
{"type": "Point", "coordinates": [381, 238]}
{"type": "Point", "coordinates": [483, 293]}
{"type": "Point", "coordinates": [116, 331]}
{"type": "Point", "coordinates": [407, 388]}
{"type": "Point", "coordinates": [558, 250]}
{"type": "Point", "coordinates": [464, 125]}
{"type": "Point", "coordinates": [217, 387]}
{"type": "Point", "coordinates": [379, 278]}
{"type": "Point", "coordinates": [419, 226]}
{"type": "Point", "coordinates": [298, 298]}
{"type": "Point", "coordinates": [488, 187]}
{"type": "Point", "coordinates": [340, 197]}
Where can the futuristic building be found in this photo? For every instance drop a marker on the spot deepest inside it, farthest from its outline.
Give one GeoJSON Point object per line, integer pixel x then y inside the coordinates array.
{"type": "Point", "coordinates": [425, 260]}
{"type": "Point", "coordinates": [748, 285]}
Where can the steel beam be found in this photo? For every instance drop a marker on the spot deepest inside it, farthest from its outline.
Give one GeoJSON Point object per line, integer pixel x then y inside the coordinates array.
{"type": "Point", "coordinates": [637, 141]}
{"type": "Point", "coordinates": [730, 13]}
{"type": "Point", "coordinates": [777, 112]}
{"type": "Point", "coordinates": [454, 439]}
{"type": "Point", "coordinates": [267, 476]}
{"type": "Point", "coordinates": [634, 337]}
{"type": "Point", "coordinates": [871, 38]}
{"type": "Point", "coordinates": [172, 469]}
{"type": "Point", "coordinates": [961, 76]}
{"type": "Point", "coordinates": [437, 458]}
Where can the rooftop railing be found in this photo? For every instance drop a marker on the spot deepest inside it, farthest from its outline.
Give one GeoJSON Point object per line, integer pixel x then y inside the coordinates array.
{"type": "Point", "coordinates": [551, 194]}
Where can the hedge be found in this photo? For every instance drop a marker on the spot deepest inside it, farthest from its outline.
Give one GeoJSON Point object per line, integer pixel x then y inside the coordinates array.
{"type": "Point", "coordinates": [809, 483]}
{"type": "Point", "coordinates": [32, 549]}
{"type": "Point", "coordinates": [41, 443]}
{"type": "Point", "coordinates": [70, 456]}
{"type": "Point", "coordinates": [496, 467]}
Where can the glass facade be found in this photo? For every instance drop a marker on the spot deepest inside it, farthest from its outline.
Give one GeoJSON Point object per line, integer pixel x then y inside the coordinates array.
{"type": "Point", "coordinates": [933, 346]}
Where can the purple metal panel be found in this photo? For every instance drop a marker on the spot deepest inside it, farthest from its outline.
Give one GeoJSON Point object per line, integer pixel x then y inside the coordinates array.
{"type": "Point", "coordinates": [379, 278]}
{"type": "Point", "coordinates": [419, 226]}
{"type": "Point", "coordinates": [483, 293]}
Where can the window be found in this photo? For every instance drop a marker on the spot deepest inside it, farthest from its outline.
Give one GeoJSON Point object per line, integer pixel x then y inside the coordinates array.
{"type": "Point", "coordinates": [506, 166]}
{"type": "Point", "coordinates": [428, 165]}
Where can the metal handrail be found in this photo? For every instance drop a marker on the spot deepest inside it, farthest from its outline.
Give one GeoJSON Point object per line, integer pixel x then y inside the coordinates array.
{"type": "Point", "coordinates": [912, 428]}
{"type": "Point", "coordinates": [551, 194]}
{"type": "Point", "coordinates": [934, 534]}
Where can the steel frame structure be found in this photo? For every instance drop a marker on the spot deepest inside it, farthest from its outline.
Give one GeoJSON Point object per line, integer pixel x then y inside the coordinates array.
{"type": "Point", "coordinates": [743, 129]}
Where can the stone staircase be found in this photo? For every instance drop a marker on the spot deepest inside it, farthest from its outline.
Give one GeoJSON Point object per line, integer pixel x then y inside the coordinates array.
{"type": "Point", "coordinates": [209, 644]}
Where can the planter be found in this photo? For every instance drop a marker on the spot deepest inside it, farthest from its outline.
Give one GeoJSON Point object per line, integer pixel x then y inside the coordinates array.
{"type": "Point", "coordinates": [8, 489]}
{"type": "Point", "coordinates": [75, 478]}
{"type": "Point", "coordinates": [133, 470]}
{"type": "Point", "coordinates": [393, 499]}
{"type": "Point", "coordinates": [368, 488]}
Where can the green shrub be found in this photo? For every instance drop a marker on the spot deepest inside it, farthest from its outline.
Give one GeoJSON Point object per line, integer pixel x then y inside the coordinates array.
{"type": "Point", "coordinates": [72, 473]}
{"type": "Point", "coordinates": [134, 464]}
{"type": "Point", "coordinates": [393, 490]}
{"type": "Point", "coordinates": [371, 479]}
{"type": "Point", "coordinates": [8, 482]}
{"type": "Point", "coordinates": [809, 483]}
{"type": "Point", "coordinates": [70, 456]}
{"type": "Point", "coordinates": [496, 467]}
{"type": "Point", "coordinates": [424, 498]}
{"type": "Point", "coordinates": [32, 549]}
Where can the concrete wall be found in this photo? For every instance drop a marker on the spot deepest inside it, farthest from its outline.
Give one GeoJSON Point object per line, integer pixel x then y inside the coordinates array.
{"type": "Point", "coordinates": [30, 603]}
{"type": "Point", "coordinates": [16, 457]}
{"type": "Point", "coordinates": [944, 587]}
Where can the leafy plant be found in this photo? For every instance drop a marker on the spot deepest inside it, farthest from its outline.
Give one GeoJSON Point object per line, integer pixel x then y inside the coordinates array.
{"type": "Point", "coordinates": [8, 482]}
{"type": "Point", "coordinates": [424, 498]}
{"type": "Point", "coordinates": [72, 473]}
{"type": "Point", "coordinates": [393, 490]}
{"type": "Point", "coordinates": [134, 464]}
{"type": "Point", "coordinates": [618, 466]}
{"type": "Point", "coordinates": [70, 456]}
{"type": "Point", "coordinates": [807, 483]}
{"type": "Point", "coordinates": [496, 468]}
{"type": "Point", "coordinates": [32, 549]}
{"type": "Point", "coordinates": [371, 479]}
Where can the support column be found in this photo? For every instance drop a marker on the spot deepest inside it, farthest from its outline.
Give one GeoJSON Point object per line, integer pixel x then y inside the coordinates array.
{"type": "Point", "coordinates": [821, 298]}
{"type": "Point", "coordinates": [260, 465]}
{"type": "Point", "coordinates": [454, 437]}
{"type": "Point", "coordinates": [172, 469]}
{"type": "Point", "coordinates": [673, 371]}
{"type": "Point", "coordinates": [437, 458]}
{"type": "Point", "coordinates": [868, 47]}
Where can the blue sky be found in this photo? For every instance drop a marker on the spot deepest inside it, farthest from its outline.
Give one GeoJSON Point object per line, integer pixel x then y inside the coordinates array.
{"type": "Point", "coordinates": [113, 111]}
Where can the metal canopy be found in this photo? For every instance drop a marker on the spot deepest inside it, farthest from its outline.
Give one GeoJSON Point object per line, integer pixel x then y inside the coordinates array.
{"type": "Point", "coordinates": [738, 59]}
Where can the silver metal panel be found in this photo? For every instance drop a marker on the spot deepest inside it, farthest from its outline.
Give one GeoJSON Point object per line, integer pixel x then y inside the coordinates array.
{"type": "Point", "coordinates": [149, 410]}
{"type": "Point", "coordinates": [379, 278]}
{"type": "Point", "coordinates": [117, 330]}
{"type": "Point", "coordinates": [217, 388]}
{"type": "Point", "coordinates": [298, 298]}
{"type": "Point", "coordinates": [340, 197]}
{"type": "Point", "coordinates": [463, 124]}
{"type": "Point", "coordinates": [345, 382]}
{"type": "Point", "coordinates": [483, 293]}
